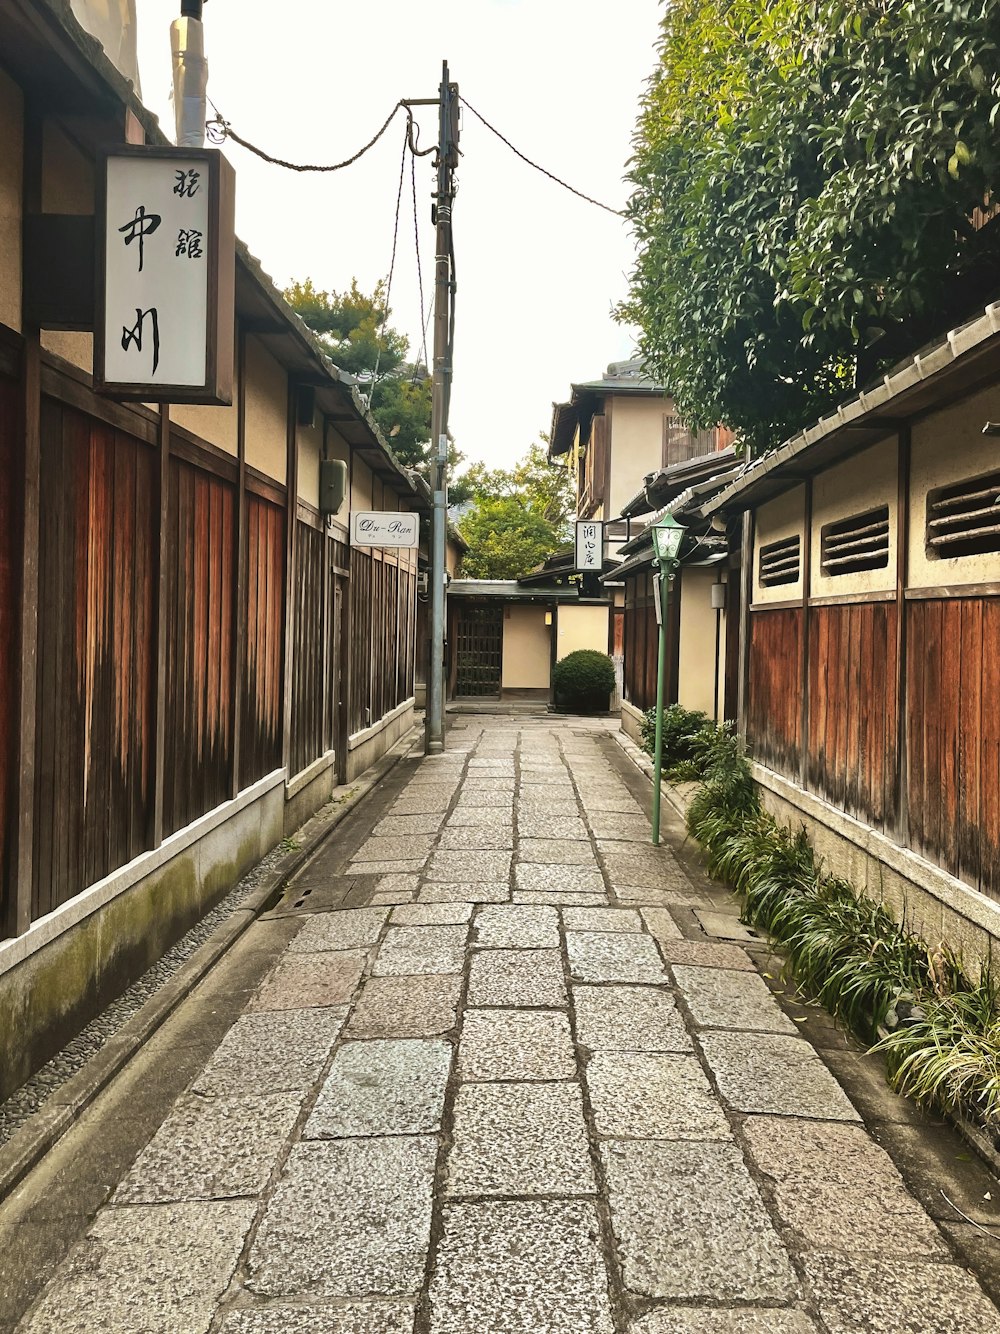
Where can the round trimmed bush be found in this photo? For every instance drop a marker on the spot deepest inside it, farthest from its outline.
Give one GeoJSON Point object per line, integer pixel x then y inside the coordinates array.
{"type": "Point", "coordinates": [582, 682]}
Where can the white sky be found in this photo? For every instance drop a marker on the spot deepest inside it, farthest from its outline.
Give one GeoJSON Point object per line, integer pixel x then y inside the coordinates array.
{"type": "Point", "coordinates": [538, 270]}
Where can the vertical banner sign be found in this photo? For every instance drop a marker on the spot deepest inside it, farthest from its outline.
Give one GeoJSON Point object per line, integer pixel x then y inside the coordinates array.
{"type": "Point", "coordinates": [166, 270]}
{"type": "Point", "coordinates": [589, 547]}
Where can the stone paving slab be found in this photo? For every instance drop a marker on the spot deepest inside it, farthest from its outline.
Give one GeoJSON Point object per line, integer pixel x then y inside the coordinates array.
{"type": "Point", "coordinates": [147, 1269]}
{"type": "Point", "coordinates": [506, 926]}
{"type": "Point", "coordinates": [405, 885]}
{"type": "Point", "coordinates": [301, 981]}
{"type": "Point", "coordinates": [561, 898]}
{"type": "Point", "coordinates": [501, 816]}
{"type": "Point", "coordinates": [784, 1076]}
{"type": "Point", "coordinates": [726, 926]}
{"type": "Point", "coordinates": [642, 1096]}
{"type": "Point", "coordinates": [721, 999]}
{"type": "Point", "coordinates": [432, 914]}
{"type": "Point", "coordinates": [347, 1318]}
{"type": "Point", "coordinates": [551, 826]}
{"type": "Point", "coordinates": [613, 956]}
{"type": "Point", "coordinates": [620, 825]}
{"type": "Point", "coordinates": [388, 1087]}
{"type": "Point", "coordinates": [452, 866]}
{"type": "Point", "coordinates": [512, 978]}
{"type": "Point", "coordinates": [519, 1139]}
{"type": "Point", "coordinates": [344, 930]}
{"type": "Point", "coordinates": [275, 1050]}
{"type": "Point", "coordinates": [516, 1044]}
{"type": "Point", "coordinates": [601, 919]}
{"type": "Point", "coordinates": [566, 879]}
{"type": "Point", "coordinates": [402, 826]}
{"type": "Point", "coordinates": [897, 1297]}
{"type": "Point", "coordinates": [477, 838]}
{"type": "Point", "coordinates": [413, 865]}
{"type": "Point", "coordinates": [736, 1320]}
{"type": "Point", "coordinates": [622, 1019]}
{"type": "Point", "coordinates": [411, 846]}
{"type": "Point", "coordinates": [556, 852]}
{"type": "Point", "coordinates": [838, 1191]}
{"type": "Point", "coordinates": [662, 894]}
{"type": "Point", "coordinates": [349, 1218]}
{"type": "Point", "coordinates": [703, 953]}
{"type": "Point", "coordinates": [474, 783]}
{"type": "Point", "coordinates": [212, 1148]}
{"type": "Point", "coordinates": [464, 891]}
{"type": "Point", "coordinates": [410, 1007]}
{"type": "Point", "coordinates": [520, 1267]}
{"type": "Point", "coordinates": [421, 949]}
{"type": "Point", "coordinates": [661, 925]}
{"type": "Point", "coordinates": [690, 1223]}
{"type": "Point", "coordinates": [422, 802]}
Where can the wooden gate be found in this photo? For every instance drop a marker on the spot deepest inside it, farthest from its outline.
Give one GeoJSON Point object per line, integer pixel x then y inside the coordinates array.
{"type": "Point", "coordinates": [478, 651]}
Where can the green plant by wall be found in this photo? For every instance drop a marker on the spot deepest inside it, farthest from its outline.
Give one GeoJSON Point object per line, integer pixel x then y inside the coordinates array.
{"type": "Point", "coordinates": [939, 1030]}
{"type": "Point", "coordinates": [583, 681]}
{"type": "Point", "coordinates": [681, 729]}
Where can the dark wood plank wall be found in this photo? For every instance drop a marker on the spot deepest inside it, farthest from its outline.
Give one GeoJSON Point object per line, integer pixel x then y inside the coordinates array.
{"type": "Point", "coordinates": [10, 467]}
{"type": "Point", "coordinates": [200, 637]}
{"type": "Point", "coordinates": [642, 637]}
{"type": "Point", "coordinates": [774, 713]}
{"type": "Point", "coordinates": [312, 644]}
{"type": "Point", "coordinates": [851, 757]}
{"type": "Point", "coordinates": [94, 723]}
{"type": "Point", "coordinates": [382, 598]}
{"type": "Point", "coordinates": [261, 704]}
{"type": "Point", "coordinates": [953, 735]}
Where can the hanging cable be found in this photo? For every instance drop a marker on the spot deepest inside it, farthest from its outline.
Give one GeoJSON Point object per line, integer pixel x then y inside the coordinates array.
{"type": "Point", "coordinates": [619, 213]}
{"type": "Point", "coordinates": [420, 274]}
{"type": "Point", "coordinates": [380, 337]}
{"type": "Point", "coordinates": [219, 130]}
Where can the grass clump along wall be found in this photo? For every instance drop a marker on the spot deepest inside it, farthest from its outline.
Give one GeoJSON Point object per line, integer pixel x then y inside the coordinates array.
{"type": "Point", "coordinates": [938, 1029]}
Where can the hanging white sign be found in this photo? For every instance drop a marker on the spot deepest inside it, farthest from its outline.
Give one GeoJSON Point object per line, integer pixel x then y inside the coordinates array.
{"type": "Point", "coordinates": [589, 546]}
{"type": "Point", "coordinates": [383, 528]}
{"type": "Point", "coordinates": [165, 323]}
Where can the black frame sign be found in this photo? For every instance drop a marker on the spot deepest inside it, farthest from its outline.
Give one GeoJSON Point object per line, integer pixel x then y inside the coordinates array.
{"type": "Point", "coordinates": [166, 276]}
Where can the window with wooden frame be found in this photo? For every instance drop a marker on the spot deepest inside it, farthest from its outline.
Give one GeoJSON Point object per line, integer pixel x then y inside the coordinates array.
{"type": "Point", "coordinates": [681, 443]}
{"type": "Point", "coordinates": [780, 562]}
{"type": "Point", "coordinates": [858, 543]}
{"type": "Point", "coordinates": [963, 519]}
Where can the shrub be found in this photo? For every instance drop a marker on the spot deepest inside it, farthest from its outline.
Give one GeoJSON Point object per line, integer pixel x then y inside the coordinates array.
{"type": "Point", "coordinates": [680, 728]}
{"type": "Point", "coordinates": [583, 680]}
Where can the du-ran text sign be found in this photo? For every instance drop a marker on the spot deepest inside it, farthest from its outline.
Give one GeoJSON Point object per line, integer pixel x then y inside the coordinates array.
{"type": "Point", "coordinates": [166, 276]}
{"type": "Point", "coordinates": [383, 528]}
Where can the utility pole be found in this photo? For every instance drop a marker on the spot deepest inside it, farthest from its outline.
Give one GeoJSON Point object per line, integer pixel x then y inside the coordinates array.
{"type": "Point", "coordinates": [444, 294]}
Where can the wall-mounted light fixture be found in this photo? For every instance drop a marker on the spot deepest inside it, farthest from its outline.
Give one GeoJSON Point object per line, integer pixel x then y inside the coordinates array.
{"type": "Point", "coordinates": [718, 596]}
{"type": "Point", "coordinates": [991, 428]}
{"type": "Point", "coordinates": [548, 618]}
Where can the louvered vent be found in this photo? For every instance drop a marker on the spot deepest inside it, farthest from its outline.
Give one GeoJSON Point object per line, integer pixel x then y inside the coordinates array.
{"type": "Point", "coordinates": [780, 562]}
{"type": "Point", "coordinates": [964, 519]}
{"type": "Point", "coordinates": [858, 543]}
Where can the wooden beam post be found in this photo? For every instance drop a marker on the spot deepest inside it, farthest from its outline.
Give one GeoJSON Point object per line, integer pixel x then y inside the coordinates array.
{"type": "Point", "coordinates": [240, 539]}
{"type": "Point", "coordinates": [160, 698]}
{"type": "Point", "coordinates": [291, 506]}
{"type": "Point", "coordinates": [806, 591]}
{"type": "Point", "coordinates": [746, 597]}
{"type": "Point", "coordinates": [902, 575]}
{"type": "Point", "coordinates": [345, 664]}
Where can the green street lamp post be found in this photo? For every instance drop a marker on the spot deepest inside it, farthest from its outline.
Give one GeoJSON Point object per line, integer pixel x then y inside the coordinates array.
{"type": "Point", "coordinates": [667, 537]}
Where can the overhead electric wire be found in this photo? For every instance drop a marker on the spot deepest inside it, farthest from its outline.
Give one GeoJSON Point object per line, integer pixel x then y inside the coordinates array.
{"type": "Point", "coordinates": [380, 336]}
{"type": "Point", "coordinates": [620, 213]}
{"type": "Point", "coordinates": [219, 130]}
{"type": "Point", "coordinates": [416, 240]}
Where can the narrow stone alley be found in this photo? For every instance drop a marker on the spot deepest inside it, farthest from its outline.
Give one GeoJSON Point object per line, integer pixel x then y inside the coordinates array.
{"type": "Point", "coordinates": [498, 1064]}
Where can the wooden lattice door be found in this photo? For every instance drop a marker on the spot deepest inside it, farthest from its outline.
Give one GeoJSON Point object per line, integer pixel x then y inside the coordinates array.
{"type": "Point", "coordinates": [478, 651]}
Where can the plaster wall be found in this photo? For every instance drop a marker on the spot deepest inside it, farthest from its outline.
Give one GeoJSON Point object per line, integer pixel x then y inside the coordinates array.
{"type": "Point", "coordinates": [361, 487]}
{"type": "Point", "coordinates": [266, 412]}
{"type": "Point", "coordinates": [779, 518]}
{"type": "Point", "coordinates": [67, 187]}
{"type": "Point", "coordinates": [636, 445]}
{"type": "Point", "coordinates": [581, 627]}
{"type": "Point", "coordinates": [310, 447]}
{"type": "Point", "coordinates": [696, 673]}
{"type": "Point", "coordinates": [11, 168]}
{"type": "Point", "coordinates": [526, 648]}
{"type": "Point", "coordinates": [863, 482]}
{"type": "Point", "coordinates": [219, 426]}
{"type": "Point", "coordinates": [949, 446]}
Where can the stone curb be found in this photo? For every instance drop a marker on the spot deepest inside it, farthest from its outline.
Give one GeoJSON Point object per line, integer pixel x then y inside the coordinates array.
{"type": "Point", "coordinates": [677, 796]}
{"type": "Point", "coordinates": [29, 1145]}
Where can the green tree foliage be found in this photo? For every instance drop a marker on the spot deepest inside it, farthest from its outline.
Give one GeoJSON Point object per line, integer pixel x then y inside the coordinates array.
{"type": "Point", "coordinates": [805, 178]}
{"type": "Point", "coordinates": [519, 516]}
{"type": "Point", "coordinates": [355, 333]}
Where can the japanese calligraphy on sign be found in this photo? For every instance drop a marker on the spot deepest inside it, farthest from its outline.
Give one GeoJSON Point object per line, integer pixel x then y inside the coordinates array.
{"type": "Point", "coordinates": [589, 546]}
{"type": "Point", "coordinates": [166, 327]}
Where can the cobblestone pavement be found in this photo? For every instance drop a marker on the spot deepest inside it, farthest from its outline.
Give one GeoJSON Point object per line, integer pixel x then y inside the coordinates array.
{"type": "Point", "coordinates": [511, 1094]}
